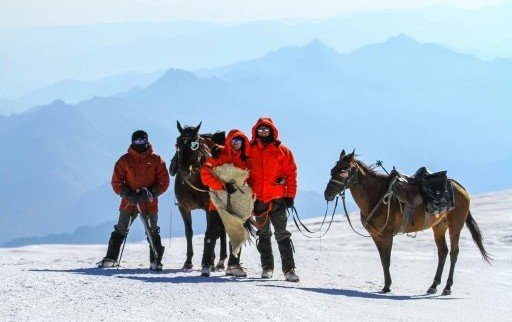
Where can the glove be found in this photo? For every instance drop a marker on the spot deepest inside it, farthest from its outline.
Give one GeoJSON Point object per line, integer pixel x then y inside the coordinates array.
{"type": "Point", "coordinates": [230, 188]}
{"type": "Point", "coordinates": [288, 202]}
{"type": "Point", "coordinates": [154, 191]}
{"type": "Point", "coordinates": [215, 151]}
{"type": "Point", "coordinates": [125, 192]}
{"type": "Point", "coordinates": [134, 198]}
{"type": "Point", "coordinates": [144, 195]}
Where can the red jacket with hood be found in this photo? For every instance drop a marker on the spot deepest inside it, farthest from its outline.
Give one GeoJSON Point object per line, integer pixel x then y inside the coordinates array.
{"type": "Point", "coordinates": [137, 170]}
{"type": "Point", "coordinates": [227, 155]}
{"type": "Point", "coordinates": [273, 169]}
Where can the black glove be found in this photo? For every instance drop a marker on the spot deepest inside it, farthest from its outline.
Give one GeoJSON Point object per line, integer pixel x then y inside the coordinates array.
{"type": "Point", "coordinates": [288, 202]}
{"type": "Point", "coordinates": [154, 191]}
{"type": "Point", "coordinates": [125, 192]}
{"type": "Point", "coordinates": [134, 198]}
{"type": "Point", "coordinates": [230, 188]}
{"type": "Point", "coordinates": [144, 195]}
{"type": "Point", "coordinates": [215, 151]}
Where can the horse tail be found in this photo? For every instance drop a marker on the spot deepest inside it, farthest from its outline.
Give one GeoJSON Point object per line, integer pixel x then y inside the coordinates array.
{"type": "Point", "coordinates": [476, 234]}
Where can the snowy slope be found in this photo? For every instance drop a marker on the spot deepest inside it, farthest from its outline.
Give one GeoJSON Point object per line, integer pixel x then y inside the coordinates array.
{"type": "Point", "coordinates": [340, 279]}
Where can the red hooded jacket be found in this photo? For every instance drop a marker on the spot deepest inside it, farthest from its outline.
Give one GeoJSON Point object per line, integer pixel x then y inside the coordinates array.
{"type": "Point", "coordinates": [137, 170]}
{"type": "Point", "coordinates": [227, 155]}
{"type": "Point", "coordinates": [273, 169]}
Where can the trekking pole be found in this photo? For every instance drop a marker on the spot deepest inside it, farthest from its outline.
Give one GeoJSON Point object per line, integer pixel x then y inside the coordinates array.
{"type": "Point", "coordinates": [124, 242]}
{"type": "Point", "coordinates": [148, 231]}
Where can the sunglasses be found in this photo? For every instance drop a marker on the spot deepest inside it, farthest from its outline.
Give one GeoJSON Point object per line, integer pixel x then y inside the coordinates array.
{"type": "Point", "coordinates": [140, 141]}
{"type": "Point", "coordinates": [237, 141]}
{"type": "Point", "coordinates": [263, 129]}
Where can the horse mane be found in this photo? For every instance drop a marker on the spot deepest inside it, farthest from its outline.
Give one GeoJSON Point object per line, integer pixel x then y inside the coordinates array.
{"type": "Point", "coordinates": [371, 172]}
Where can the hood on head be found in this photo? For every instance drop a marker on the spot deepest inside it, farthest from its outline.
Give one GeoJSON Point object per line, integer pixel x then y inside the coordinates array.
{"type": "Point", "coordinates": [264, 121]}
{"type": "Point", "coordinates": [233, 134]}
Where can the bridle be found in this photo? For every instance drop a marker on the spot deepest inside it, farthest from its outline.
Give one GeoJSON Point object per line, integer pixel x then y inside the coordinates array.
{"type": "Point", "coordinates": [193, 169]}
{"type": "Point", "coordinates": [347, 182]}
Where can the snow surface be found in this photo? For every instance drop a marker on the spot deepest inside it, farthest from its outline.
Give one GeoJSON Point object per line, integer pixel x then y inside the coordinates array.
{"type": "Point", "coordinates": [341, 277]}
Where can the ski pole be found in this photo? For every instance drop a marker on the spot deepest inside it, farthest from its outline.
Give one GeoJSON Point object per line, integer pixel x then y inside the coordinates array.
{"type": "Point", "coordinates": [148, 232]}
{"type": "Point", "coordinates": [124, 242]}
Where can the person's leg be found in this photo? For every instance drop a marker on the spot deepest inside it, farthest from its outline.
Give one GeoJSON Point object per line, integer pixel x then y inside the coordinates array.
{"type": "Point", "coordinates": [232, 259]}
{"type": "Point", "coordinates": [118, 235]}
{"type": "Point", "coordinates": [264, 233]}
{"type": "Point", "coordinates": [157, 240]}
{"type": "Point", "coordinates": [210, 238]}
{"type": "Point", "coordinates": [279, 220]}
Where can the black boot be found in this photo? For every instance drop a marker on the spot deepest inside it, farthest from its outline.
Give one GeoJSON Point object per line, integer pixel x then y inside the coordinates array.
{"type": "Point", "coordinates": [208, 252]}
{"type": "Point", "coordinates": [286, 251]}
{"type": "Point", "coordinates": [265, 249]}
{"type": "Point", "coordinates": [156, 264]}
{"type": "Point", "coordinates": [114, 245]}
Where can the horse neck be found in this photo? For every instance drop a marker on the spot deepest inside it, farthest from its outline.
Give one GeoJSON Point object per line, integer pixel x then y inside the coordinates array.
{"type": "Point", "coordinates": [368, 190]}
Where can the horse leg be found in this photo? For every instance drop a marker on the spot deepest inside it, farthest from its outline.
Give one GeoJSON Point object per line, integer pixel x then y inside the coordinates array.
{"type": "Point", "coordinates": [384, 245]}
{"type": "Point", "coordinates": [454, 252]}
{"type": "Point", "coordinates": [442, 252]}
{"type": "Point", "coordinates": [223, 248]}
{"type": "Point", "coordinates": [189, 233]}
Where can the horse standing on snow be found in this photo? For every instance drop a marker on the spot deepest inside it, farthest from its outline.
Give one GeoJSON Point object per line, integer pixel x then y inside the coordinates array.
{"type": "Point", "coordinates": [369, 190]}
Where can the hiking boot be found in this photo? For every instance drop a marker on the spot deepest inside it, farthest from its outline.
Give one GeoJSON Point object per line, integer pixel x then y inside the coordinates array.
{"type": "Point", "coordinates": [206, 271]}
{"type": "Point", "coordinates": [220, 265]}
{"type": "Point", "coordinates": [236, 271]}
{"type": "Point", "coordinates": [107, 263]}
{"type": "Point", "coordinates": [267, 273]}
{"type": "Point", "coordinates": [291, 276]}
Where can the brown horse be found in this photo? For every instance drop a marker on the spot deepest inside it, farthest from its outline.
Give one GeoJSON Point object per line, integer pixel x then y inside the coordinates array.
{"type": "Point", "coordinates": [191, 194]}
{"type": "Point", "coordinates": [368, 188]}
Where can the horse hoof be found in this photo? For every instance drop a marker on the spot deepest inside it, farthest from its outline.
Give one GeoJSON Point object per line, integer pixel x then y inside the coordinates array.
{"type": "Point", "coordinates": [447, 292]}
{"type": "Point", "coordinates": [386, 290]}
{"type": "Point", "coordinates": [432, 290]}
{"type": "Point", "coordinates": [187, 266]}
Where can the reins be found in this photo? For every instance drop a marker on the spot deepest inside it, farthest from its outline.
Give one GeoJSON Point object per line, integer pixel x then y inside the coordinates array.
{"type": "Point", "coordinates": [298, 222]}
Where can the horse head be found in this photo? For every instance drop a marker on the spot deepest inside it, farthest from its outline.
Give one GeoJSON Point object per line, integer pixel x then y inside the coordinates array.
{"type": "Point", "coordinates": [191, 147]}
{"type": "Point", "coordinates": [343, 175]}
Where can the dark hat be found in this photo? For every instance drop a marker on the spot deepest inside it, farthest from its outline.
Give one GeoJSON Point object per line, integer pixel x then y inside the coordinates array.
{"type": "Point", "coordinates": [140, 134]}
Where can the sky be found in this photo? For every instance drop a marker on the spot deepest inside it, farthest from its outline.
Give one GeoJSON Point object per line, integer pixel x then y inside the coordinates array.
{"type": "Point", "coordinates": [30, 13]}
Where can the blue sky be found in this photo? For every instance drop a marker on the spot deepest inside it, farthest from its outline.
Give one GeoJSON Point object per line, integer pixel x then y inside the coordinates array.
{"type": "Point", "coordinates": [28, 13]}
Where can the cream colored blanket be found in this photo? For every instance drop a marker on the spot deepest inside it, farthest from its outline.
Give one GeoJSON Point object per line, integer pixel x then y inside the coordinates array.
{"type": "Point", "coordinates": [236, 208]}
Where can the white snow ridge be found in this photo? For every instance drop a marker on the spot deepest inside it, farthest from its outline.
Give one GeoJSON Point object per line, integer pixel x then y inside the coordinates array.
{"type": "Point", "coordinates": [341, 277]}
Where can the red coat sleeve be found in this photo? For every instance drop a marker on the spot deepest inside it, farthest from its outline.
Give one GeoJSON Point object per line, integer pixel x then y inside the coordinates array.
{"type": "Point", "coordinates": [162, 176]}
{"type": "Point", "coordinates": [208, 178]}
{"type": "Point", "coordinates": [119, 176]}
{"type": "Point", "coordinates": [290, 172]}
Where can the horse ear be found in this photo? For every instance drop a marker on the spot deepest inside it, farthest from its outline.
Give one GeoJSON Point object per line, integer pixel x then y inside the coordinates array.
{"type": "Point", "coordinates": [179, 127]}
{"type": "Point", "coordinates": [342, 154]}
{"type": "Point", "coordinates": [196, 130]}
{"type": "Point", "coordinates": [351, 155]}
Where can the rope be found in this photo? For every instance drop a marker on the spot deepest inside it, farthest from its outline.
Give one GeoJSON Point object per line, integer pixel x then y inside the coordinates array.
{"type": "Point", "coordinates": [297, 221]}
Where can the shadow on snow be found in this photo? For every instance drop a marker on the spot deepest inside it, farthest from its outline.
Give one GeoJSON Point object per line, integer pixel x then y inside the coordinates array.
{"type": "Point", "coordinates": [366, 295]}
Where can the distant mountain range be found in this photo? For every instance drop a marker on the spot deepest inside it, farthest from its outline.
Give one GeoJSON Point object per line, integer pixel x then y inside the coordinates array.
{"type": "Point", "coordinates": [32, 58]}
{"type": "Point", "coordinates": [407, 103]}
{"type": "Point", "coordinates": [74, 91]}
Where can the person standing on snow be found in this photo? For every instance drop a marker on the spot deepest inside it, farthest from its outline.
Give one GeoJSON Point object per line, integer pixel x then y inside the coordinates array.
{"type": "Point", "coordinates": [273, 179]}
{"type": "Point", "coordinates": [235, 152]}
{"type": "Point", "coordinates": [139, 177]}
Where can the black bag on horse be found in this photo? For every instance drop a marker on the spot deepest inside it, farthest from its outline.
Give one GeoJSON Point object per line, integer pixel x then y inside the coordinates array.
{"type": "Point", "coordinates": [437, 190]}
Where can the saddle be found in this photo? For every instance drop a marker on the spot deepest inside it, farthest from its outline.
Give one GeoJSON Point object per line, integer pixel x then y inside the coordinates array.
{"type": "Point", "coordinates": [434, 190]}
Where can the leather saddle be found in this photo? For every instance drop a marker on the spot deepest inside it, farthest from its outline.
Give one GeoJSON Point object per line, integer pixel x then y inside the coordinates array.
{"type": "Point", "coordinates": [407, 188]}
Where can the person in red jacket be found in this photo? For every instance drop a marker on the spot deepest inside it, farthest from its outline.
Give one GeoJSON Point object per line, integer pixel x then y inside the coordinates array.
{"type": "Point", "coordinates": [234, 152]}
{"type": "Point", "coordinates": [139, 177]}
{"type": "Point", "coordinates": [273, 179]}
